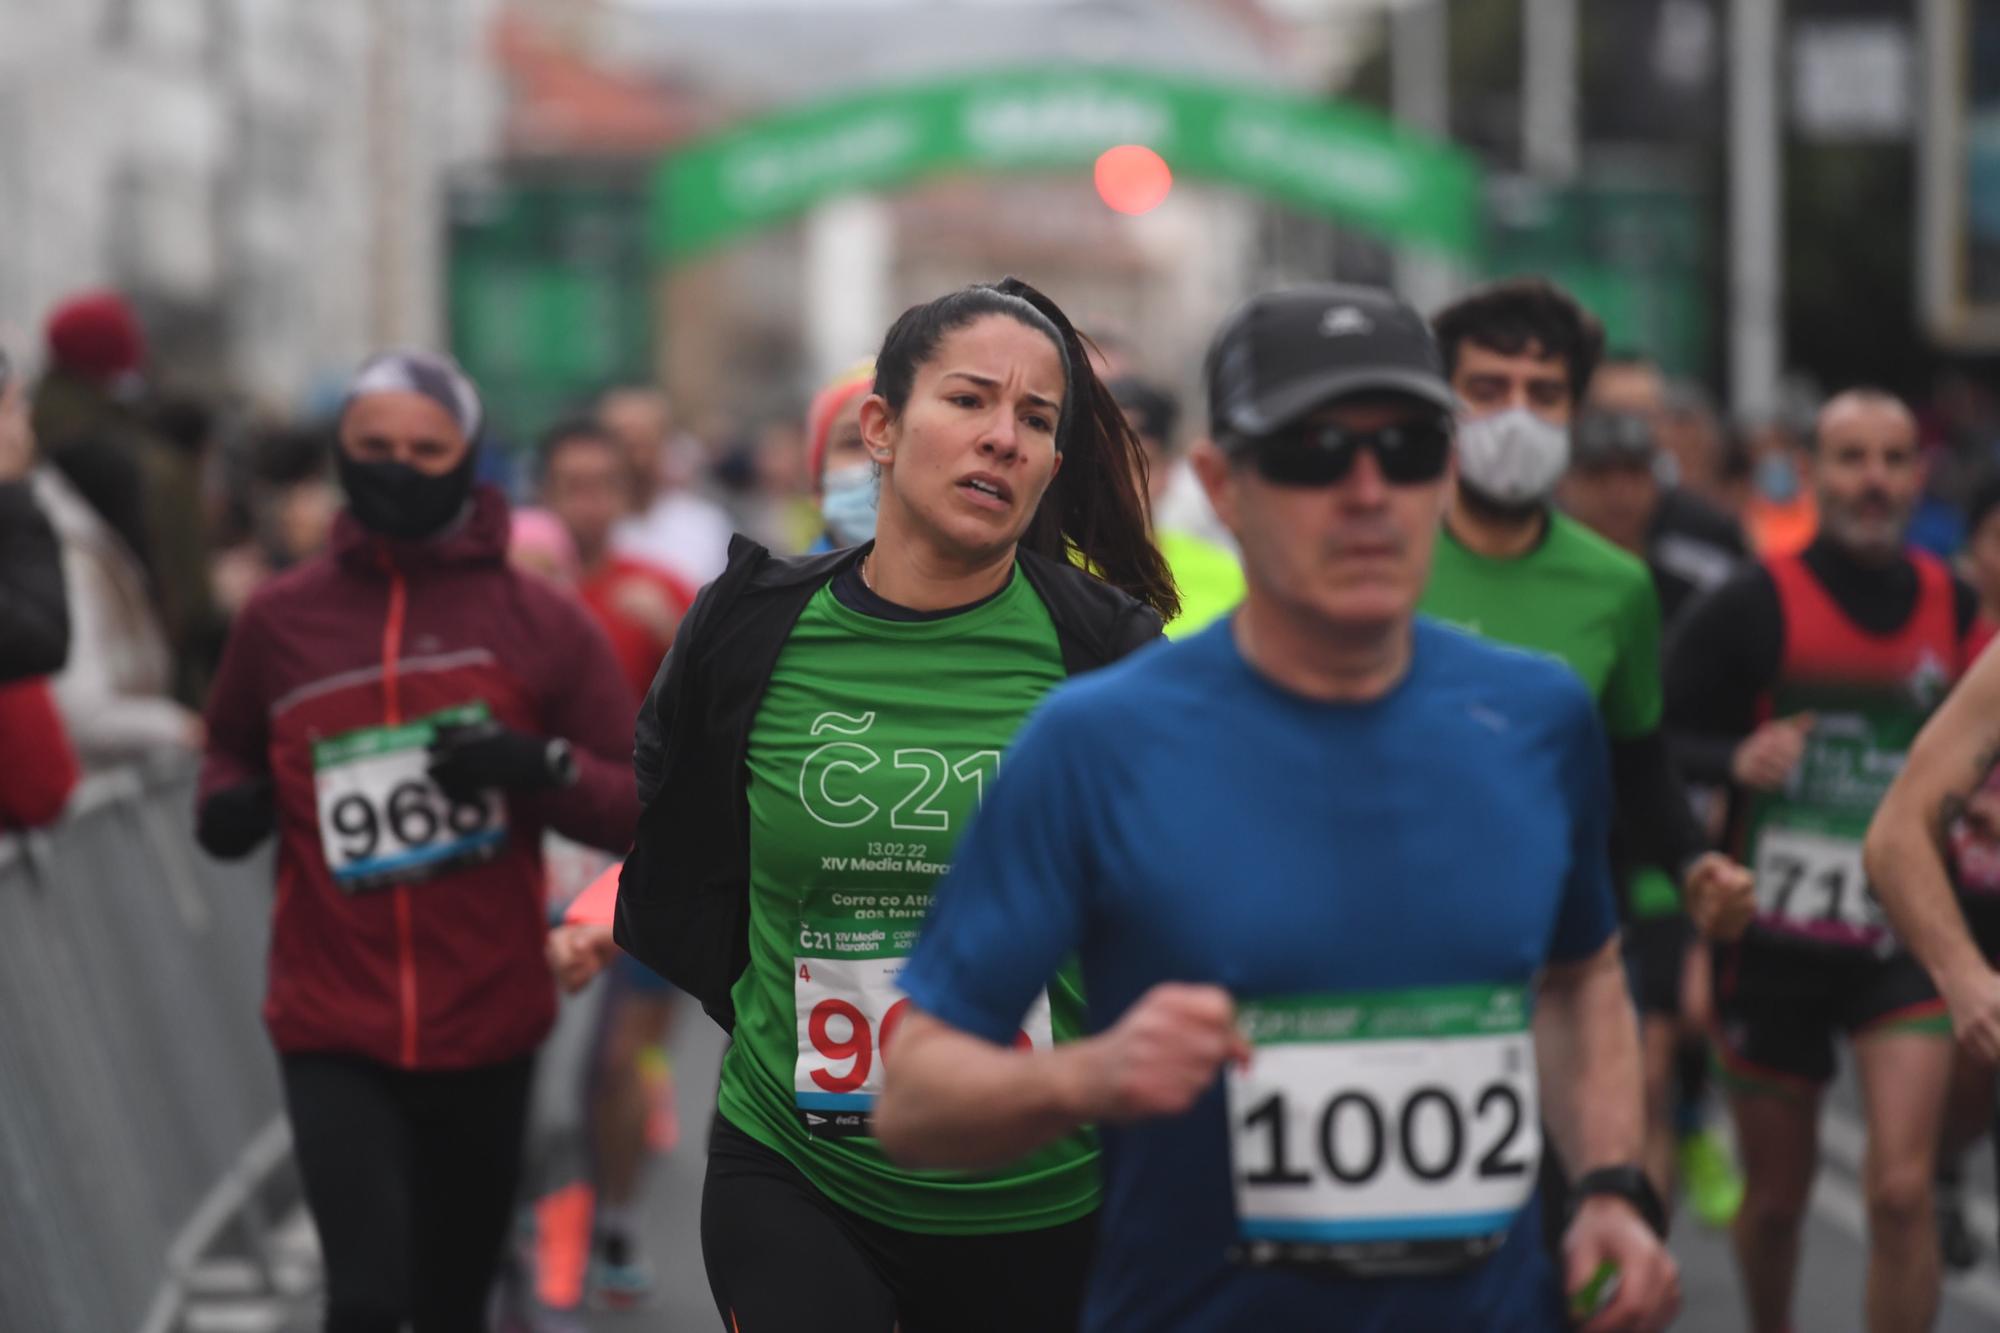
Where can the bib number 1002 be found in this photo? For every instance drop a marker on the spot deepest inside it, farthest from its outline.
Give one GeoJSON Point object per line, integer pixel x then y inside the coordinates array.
{"type": "Point", "coordinates": [1360, 1135]}
{"type": "Point", "coordinates": [414, 812]}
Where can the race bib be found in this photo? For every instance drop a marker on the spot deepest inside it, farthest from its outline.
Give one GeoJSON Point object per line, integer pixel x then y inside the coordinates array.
{"type": "Point", "coordinates": [1975, 840]}
{"type": "Point", "coordinates": [1812, 886]}
{"type": "Point", "coordinates": [1384, 1134]}
{"type": "Point", "coordinates": [382, 821]}
{"type": "Point", "coordinates": [849, 1007]}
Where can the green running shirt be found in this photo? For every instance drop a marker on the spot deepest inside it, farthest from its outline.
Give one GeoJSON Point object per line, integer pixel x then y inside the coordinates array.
{"type": "Point", "coordinates": [1584, 601]}
{"type": "Point", "coordinates": [1575, 597]}
{"type": "Point", "coordinates": [872, 746]}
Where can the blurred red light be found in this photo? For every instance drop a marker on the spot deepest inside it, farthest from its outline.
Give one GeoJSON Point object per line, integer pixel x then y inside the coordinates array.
{"type": "Point", "coordinates": [1132, 178]}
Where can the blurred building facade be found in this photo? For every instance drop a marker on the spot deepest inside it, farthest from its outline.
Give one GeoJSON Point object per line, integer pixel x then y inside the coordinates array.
{"type": "Point", "coordinates": [265, 178]}
{"type": "Point", "coordinates": [281, 186]}
{"type": "Point", "coordinates": [744, 332]}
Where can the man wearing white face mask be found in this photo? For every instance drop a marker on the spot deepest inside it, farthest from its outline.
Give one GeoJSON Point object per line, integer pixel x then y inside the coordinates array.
{"type": "Point", "coordinates": [1519, 355]}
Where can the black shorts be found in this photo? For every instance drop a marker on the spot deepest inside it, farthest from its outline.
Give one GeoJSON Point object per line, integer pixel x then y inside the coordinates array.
{"type": "Point", "coordinates": [1655, 955]}
{"type": "Point", "coordinates": [1779, 1006]}
{"type": "Point", "coordinates": [1982, 914]}
{"type": "Point", "coordinates": [783, 1258]}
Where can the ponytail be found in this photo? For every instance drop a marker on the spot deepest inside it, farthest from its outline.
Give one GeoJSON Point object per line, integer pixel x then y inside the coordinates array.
{"type": "Point", "coordinates": [1094, 512]}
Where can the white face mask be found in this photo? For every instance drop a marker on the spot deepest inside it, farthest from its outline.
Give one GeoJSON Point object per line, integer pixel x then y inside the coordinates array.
{"type": "Point", "coordinates": [847, 503]}
{"type": "Point", "coordinates": [1513, 457]}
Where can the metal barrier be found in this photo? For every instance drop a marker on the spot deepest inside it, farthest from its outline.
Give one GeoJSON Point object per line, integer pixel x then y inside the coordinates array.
{"type": "Point", "coordinates": [141, 1122]}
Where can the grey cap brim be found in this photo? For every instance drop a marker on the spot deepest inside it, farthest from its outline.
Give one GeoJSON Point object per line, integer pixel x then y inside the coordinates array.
{"type": "Point", "coordinates": [1287, 406]}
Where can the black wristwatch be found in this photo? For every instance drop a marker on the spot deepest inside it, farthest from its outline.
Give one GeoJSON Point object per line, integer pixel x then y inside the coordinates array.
{"type": "Point", "coordinates": [562, 762]}
{"type": "Point", "coordinates": [1624, 1182]}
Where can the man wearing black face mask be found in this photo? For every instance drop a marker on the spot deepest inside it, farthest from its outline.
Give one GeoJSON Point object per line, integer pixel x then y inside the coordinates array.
{"type": "Point", "coordinates": [408, 714]}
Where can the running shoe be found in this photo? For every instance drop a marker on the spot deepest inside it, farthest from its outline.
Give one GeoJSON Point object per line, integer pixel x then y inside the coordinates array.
{"type": "Point", "coordinates": [1957, 1244]}
{"type": "Point", "coordinates": [620, 1279]}
{"type": "Point", "coordinates": [1710, 1180]}
{"type": "Point", "coordinates": [663, 1121]}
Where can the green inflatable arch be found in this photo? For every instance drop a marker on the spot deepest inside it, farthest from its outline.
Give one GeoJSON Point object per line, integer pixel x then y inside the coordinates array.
{"type": "Point", "coordinates": [1326, 157]}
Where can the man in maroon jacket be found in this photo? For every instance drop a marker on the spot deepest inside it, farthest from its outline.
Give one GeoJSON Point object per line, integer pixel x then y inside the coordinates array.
{"type": "Point", "coordinates": [408, 714]}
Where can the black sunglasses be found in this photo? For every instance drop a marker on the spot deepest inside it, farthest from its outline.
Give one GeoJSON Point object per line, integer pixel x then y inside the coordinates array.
{"type": "Point", "coordinates": [1321, 455]}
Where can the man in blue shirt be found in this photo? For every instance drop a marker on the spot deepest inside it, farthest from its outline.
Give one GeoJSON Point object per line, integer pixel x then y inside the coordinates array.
{"type": "Point", "coordinates": [1338, 880]}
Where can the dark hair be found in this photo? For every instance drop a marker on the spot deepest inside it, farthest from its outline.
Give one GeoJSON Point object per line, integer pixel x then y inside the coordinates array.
{"type": "Point", "coordinates": [107, 473]}
{"type": "Point", "coordinates": [1985, 499]}
{"type": "Point", "coordinates": [288, 454]}
{"type": "Point", "coordinates": [1093, 511]}
{"type": "Point", "coordinates": [1516, 314]}
{"type": "Point", "coordinates": [183, 420]}
{"type": "Point", "coordinates": [571, 430]}
{"type": "Point", "coordinates": [1152, 409]}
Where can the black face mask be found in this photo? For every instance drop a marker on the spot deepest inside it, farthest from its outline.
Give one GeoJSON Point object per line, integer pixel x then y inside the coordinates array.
{"type": "Point", "coordinates": [396, 500]}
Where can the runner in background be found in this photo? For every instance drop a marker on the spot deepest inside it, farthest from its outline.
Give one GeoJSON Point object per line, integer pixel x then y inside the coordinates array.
{"type": "Point", "coordinates": [1318, 1090]}
{"type": "Point", "coordinates": [1938, 831]}
{"type": "Point", "coordinates": [1520, 355]}
{"type": "Point", "coordinates": [822, 731]}
{"type": "Point", "coordinates": [1613, 487]}
{"type": "Point", "coordinates": [837, 459]}
{"type": "Point", "coordinates": [586, 484]}
{"type": "Point", "coordinates": [1979, 562]}
{"type": "Point", "coordinates": [408, 714]}
{"type": "Point", "coordinates": [1782, 514]}
{"type": "Point", "coordinates": [672, 524]}
{"type": "Point", "coordinates": [1208, 576]}
{"type": "Point", "coordinates": [1975, 867]}
{"type": "Point", "coordinates": [1801, 683]}
{"type": "Point", "coordinates": [1973, 839]}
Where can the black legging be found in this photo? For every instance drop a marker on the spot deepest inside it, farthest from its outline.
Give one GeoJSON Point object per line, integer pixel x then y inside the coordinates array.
{"type": "Point", "coordinates": [410, 1176]}
{"type": "Point", "coordinates": [783, 1258]}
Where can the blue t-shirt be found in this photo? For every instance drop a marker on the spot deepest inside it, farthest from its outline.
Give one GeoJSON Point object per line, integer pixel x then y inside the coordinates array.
{"type": "Point", "coordinates": [1178, 817]}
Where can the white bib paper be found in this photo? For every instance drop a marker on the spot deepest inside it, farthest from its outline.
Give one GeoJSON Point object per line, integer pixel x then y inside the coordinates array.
{"type": "Point", "coordinates": [1384, 1133]}
{"type": "Point", "coordinates": [848, 1010]}
{"type": "Point", "coordinates": [1813, 885]}
{"type": "Point", "coordinates": [382, 821]}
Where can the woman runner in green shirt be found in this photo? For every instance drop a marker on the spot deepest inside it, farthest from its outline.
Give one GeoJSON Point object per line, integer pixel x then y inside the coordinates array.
{"type": "Point", "coordinates": [809, 757]}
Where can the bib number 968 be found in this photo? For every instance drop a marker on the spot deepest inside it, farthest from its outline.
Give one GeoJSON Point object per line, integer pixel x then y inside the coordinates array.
{"type": "Point", "coordinates": [415, 813]}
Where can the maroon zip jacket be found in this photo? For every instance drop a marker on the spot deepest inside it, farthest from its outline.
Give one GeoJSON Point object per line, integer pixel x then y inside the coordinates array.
{"type": "Point", "coordinates": [447, 972]}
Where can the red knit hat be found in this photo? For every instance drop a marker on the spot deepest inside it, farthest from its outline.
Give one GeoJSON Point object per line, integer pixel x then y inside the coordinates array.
{"type": "Point", "coordinates": [835, 394]}
{"type": "Point", "coordinates": [96, 334]}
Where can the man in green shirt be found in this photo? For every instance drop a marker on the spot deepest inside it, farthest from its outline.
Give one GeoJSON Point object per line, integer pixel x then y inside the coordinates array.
{"type": "Point", "coordinates": [1508, 567]}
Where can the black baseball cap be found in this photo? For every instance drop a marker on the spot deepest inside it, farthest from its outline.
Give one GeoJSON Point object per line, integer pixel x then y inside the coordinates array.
{"type": "Point", "coordinates": [1602, 438]}
{"type": "Point", "coordinates": [1285, 354]}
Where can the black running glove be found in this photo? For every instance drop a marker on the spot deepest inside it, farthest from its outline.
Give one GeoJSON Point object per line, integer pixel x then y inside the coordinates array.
{"type": "Point", "coordinates": [469, 759]}
{"type": "Point", "coordinates": [234, 820]}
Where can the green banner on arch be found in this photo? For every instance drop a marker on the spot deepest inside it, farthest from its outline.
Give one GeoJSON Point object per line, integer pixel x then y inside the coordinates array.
{"type": "Point", "coordinates": [1346, 162]}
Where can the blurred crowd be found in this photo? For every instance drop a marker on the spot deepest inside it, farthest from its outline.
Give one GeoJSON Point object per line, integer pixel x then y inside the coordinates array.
{"type": "Point", "coordinates": [137, 518]}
